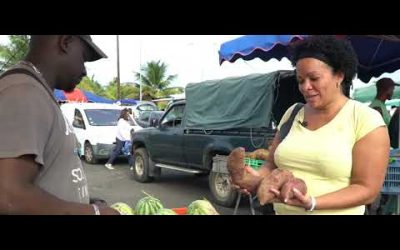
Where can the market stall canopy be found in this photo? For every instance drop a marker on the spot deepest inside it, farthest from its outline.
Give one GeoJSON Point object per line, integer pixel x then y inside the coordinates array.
{"type": "Point", "coordinates": [264, 47]}
{"type": "Point", "coordinates": [377, 54]}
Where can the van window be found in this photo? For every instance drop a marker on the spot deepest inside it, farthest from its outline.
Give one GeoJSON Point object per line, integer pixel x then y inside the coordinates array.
{"type": "Point", "coordinates": [78, 120]}
{"type": "Point", "coordinates": [103, 117]}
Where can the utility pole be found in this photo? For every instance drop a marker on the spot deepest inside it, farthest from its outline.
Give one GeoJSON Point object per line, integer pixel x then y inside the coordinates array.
{"type": "Point", "coordinates": [118, 79]}
{"type": "Point", "coordinates": [140, 69]}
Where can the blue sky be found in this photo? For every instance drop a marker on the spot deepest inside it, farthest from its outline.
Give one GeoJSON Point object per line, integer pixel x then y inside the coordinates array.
{"type": "Point", "coordinates": [193, 58]}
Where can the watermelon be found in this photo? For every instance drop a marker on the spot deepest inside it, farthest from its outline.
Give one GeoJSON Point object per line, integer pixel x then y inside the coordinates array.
{"type": "Point", "coordinates": [201, 207]}
{"type": "Point", "coordinates": [165, 211]}
{"type": "Point", "coordinates": [123, 208]}
{"type": "Point", "coordinates": [148, 205]}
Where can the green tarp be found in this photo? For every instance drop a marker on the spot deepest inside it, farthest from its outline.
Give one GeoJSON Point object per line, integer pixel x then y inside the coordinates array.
{"type": "Point", "coordinates": [235, 102]}
{"type": "Point", "coordinates": [367, 94]}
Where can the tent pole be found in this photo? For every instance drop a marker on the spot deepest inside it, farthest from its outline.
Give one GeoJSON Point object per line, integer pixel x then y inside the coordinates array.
{"type": "Point", "coordinates": [118, 79]}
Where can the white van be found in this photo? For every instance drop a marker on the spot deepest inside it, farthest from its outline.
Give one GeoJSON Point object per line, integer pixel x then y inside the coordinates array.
{"type": "Point", "coordinates": [95, 126]}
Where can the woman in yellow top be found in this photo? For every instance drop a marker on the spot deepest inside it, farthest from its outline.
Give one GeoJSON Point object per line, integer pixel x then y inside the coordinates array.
{"type": "Point", "coordinates": [338, 146]}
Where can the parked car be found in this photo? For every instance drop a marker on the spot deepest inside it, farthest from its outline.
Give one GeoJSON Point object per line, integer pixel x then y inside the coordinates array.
{"type": "Point", "coordinates": [146, 118]}
{"type": "Point", "coordinates": [95, 126]}
{"type": "Point", "coordinates": [142, 107]}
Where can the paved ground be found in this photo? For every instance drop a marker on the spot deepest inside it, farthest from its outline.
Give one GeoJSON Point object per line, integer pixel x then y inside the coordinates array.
{"type": "Point", "coordinates": [173, 188]}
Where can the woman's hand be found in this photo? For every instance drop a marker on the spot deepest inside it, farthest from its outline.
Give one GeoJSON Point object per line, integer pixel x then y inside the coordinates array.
{"type": "Point", "coordinates": [250, 187]}
{"type": "Point", "coordinates": [276, 180]}
{"type": "Point", "coordinates": [298, 199]}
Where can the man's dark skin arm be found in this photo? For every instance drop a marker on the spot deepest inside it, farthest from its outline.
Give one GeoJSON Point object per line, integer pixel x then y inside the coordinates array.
{"type": "Point", "coordinates": [19, 195]}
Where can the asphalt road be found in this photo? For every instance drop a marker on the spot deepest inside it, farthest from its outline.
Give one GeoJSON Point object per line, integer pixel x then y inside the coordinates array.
{"type": "Point", "coordinates": [173, 188]}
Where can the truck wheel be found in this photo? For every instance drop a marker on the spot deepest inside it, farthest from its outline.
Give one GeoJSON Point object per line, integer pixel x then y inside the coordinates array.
{"type": "Point", "coordinates": [89, 154]}
{"type": "Point", "coordinates": [221, 189]}
{"type": "Point", "coordinates": [141, 167]}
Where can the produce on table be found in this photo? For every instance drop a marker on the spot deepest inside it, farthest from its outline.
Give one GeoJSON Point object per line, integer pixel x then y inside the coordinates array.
{"type": "Point", "coordinates": [165, 211]}
{"type": "Point", "coordinates": [262, 154]}
{"type": "Point", "coordinates": [148, 205]}
{"type": "Point", "coordinates": [123, 208]}
{"type": "Point", "coordinates": [201, 207]}
{"type": "Point", "coordinates": [259, 154]}
{"type": "Point", "coordinates": [250, 155]}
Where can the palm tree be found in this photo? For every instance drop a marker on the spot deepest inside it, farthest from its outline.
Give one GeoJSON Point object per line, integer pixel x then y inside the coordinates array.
{"type": "Point", "coordinates": [128, 90]}
{"type": "Point", "coordinates": [155, 81]}
{"type": "Point", "coordinates": [13, 52]}
{"type": "Point", "coordinates": [91, 85]}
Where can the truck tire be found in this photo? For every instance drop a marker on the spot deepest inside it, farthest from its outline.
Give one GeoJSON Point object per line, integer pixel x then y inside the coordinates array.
{"type": "Point", "coordinates": [221, 189]}
{"type": "Point", "coordinates": [141, 166]}
{"type": "Point", "coordinates": [89, 154]}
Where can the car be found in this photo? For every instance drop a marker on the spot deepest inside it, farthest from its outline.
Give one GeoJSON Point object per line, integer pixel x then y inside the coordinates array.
{"type": "Point", "coordinates": [95, 126]}
{"type": "Point", "coordinates": [146, 118]}
{"type": "Point", "coordinates": [139, 108]}
{"type": "Point", "coordinates": [142, 107]}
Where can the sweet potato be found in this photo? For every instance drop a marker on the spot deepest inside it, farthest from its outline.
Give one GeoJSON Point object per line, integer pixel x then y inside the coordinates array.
{"type": "Point", "coordinates": [235, 164]}
{"type": "Point", "coordinates": [275, 180]}
{"type": "Point", "coordinates": [251, 155]}
{"type": "Point", "coordinates": [261, 154]}
{"type": "Point", "coordinates": [287, 189]}
{"type": "Point", "coordinates": [239, 175]}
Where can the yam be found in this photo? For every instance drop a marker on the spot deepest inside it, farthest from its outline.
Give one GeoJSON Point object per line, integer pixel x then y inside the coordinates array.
{"type": "Point", "coordinates": [287, 189]}
{"type": "Point", "coordinates": [261, 154]}
{"type": "Point", "coordinates": [238, 173]}
{"type": "Point", "coordinates": [274, 180]}
{"type": "Point", "coordinates": [251, 155]}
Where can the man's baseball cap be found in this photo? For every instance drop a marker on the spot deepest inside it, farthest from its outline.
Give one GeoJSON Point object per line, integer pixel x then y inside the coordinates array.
{"type": "Point", "coordinates": [96, 52]}
{"type": "Point", "coordinates": [386, 82]}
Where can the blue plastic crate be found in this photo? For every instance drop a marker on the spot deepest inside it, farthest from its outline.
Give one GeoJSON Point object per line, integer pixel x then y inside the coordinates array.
{"type": "Point", "coordinates": [392, 179]}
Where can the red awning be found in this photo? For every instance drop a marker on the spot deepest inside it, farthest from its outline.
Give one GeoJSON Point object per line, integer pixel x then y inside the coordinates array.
{"type": "Point", "coordinates": [76, 96]}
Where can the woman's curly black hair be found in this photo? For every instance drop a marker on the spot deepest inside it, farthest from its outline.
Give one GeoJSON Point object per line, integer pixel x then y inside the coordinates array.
{"type": "Point", "coordinates": [339, 53]}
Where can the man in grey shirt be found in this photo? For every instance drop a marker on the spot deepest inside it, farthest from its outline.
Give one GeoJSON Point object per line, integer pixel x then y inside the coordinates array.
{"type": "Point", "coordinates": [40, 171]}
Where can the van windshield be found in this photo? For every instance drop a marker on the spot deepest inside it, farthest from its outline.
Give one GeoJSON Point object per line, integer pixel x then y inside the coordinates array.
{"type": "Point", "coordinates": [103, 117]}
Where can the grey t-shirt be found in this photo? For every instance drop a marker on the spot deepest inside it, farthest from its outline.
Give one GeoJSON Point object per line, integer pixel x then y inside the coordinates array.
{"type": "Point", "coordinates": [31, 123]}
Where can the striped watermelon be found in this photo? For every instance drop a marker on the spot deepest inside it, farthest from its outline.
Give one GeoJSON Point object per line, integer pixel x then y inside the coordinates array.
{"type": "Point", "coordinates": [123, 208]}
{"type": "Point", "coordinates": [201, 207]}
{"type": "Point", "coordinates": [148, 205]}
{"type": "Point", "coordinates": [165, 211]}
